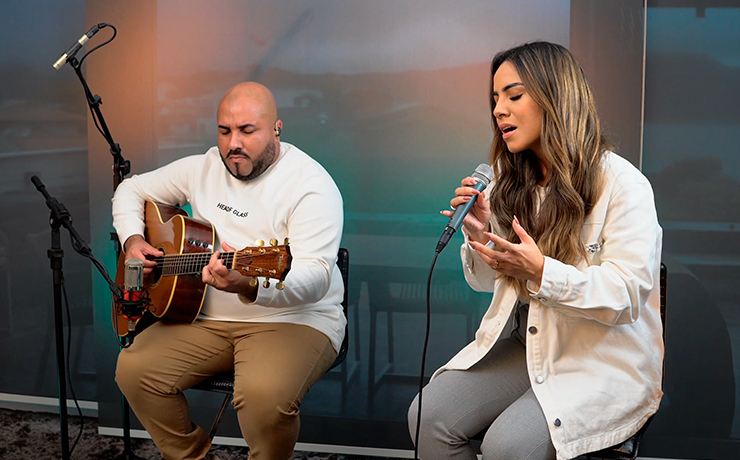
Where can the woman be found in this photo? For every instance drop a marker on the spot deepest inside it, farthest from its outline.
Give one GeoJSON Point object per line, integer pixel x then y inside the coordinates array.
{"type": "Point", "coordinates": [568, 357]}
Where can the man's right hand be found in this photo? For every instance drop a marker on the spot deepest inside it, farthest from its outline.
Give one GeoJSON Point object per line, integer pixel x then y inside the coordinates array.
{"type": "Point", "coordinates": [136, 247]}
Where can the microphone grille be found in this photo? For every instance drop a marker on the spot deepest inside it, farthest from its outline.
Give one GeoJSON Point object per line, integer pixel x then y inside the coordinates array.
{"type": "Point", "coordinates": [483, 173]}
{"type": "Point", "coordinates": [133, 274]}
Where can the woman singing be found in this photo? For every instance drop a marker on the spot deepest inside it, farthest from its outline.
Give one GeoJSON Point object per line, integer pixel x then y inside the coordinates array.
{"type": "Point", "coordinates": [568, 357]}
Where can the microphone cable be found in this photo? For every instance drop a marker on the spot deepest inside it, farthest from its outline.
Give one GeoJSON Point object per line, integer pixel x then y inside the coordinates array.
{"type": "Point", "coordinates": [424, 353]}
{"type": "Point", "coordinates": [88, 93]}
{"type": "Point", "coordinates": [483, 175]}
{"type": "Point", "coordinates": [102, 25]}
{"type": "Point", "coordinates": [69, 369]}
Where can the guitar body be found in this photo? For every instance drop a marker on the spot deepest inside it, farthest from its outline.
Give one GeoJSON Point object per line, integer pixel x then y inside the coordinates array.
{"type": "Point", "coordinates": [172, 231]}
{"type": "Point", "coordinates": [175, 287]}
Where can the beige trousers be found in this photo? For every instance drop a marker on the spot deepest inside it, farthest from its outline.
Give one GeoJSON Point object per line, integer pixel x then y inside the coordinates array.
{"type": "Point", "coordinates": [275, 364]}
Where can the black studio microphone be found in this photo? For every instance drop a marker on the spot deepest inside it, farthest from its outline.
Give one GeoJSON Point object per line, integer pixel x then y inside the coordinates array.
{"type": "Point", "coordinates": [77, 45]}
{"type": "Point", "coordinates": [482, 175]}
{"type": "Point", "coordinates": [133, 286]}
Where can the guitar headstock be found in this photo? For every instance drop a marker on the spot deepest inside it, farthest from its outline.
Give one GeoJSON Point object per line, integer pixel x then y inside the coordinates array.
{"type": "Point", "coordinates": [268, 262]}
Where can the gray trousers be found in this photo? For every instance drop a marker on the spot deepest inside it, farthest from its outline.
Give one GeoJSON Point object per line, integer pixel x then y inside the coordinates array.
{"type": "Point", "coordinates": [494, 393]}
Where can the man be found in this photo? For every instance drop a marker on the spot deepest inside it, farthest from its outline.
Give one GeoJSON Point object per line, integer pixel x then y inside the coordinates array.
{"type": "Point", "coordinates": [279, 342]}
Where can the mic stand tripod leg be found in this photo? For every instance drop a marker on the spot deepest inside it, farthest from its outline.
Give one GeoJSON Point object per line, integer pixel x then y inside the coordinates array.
{"type": "Point", "coordinates": [127, 453]}
{"type": "Point", "coordinates": [56, 255]}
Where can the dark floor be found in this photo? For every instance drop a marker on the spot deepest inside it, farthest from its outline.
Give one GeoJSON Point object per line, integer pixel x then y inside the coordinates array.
{"type": "Point", "coordinates": [33, 435]}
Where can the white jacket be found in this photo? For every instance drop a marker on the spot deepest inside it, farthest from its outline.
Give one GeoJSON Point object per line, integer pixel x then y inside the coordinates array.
{"type": "Point", "coordinates": [595, 359]}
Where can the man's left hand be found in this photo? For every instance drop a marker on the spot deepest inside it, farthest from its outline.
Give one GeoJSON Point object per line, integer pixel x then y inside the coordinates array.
{"type": "Point", "coordinates": [217, 275]}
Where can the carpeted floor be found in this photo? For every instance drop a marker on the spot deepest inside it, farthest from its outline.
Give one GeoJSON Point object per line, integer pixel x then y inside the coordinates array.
{"type": "Point", "coordinates": [33, 435]}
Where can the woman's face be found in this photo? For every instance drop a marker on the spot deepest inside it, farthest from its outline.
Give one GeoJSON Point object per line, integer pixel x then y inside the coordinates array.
{"type": "Point", "coordinates": [517, 115]}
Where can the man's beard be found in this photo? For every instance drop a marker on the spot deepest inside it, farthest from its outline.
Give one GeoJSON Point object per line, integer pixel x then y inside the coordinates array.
{"type": "Point", "coordinates": [260, 165]}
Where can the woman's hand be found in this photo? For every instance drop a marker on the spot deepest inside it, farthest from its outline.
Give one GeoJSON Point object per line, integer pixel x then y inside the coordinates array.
{"type": "Point", "coordinates": [478, 219]}
{"type": "Point", "coordinates": [136, 247]}
{"type": "Point", "coordinates": [523, 260]}
{"type": "Point", "coordinates": [222, 278]}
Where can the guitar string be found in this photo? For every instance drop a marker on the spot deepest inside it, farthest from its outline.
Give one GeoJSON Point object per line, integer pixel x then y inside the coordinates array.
{"type": "Point", "coordinates": [193, 263]}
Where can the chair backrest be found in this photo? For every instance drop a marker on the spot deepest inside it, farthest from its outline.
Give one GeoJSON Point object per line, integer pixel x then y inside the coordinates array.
{"type": "Point", "coordinates": [343, 264]}
{"type": "Point", "coordinates": [663, 295]}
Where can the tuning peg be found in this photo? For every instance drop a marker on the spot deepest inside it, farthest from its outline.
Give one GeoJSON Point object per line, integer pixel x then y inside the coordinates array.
{"type": "Point", "coordinates": [273, 272]}
{"type": "Point", "coordinates": [286, 241]}
{"type": "Point", "coordinates": [253, 282]}
{"type": "Point", "coordinates": [280, 286]}
{"type": "Point", "coordinates": [266, 283]}
{"type": "Point", "coordinates": [273, 242]}
{"type": "Point", "coordinates": [259, 243]}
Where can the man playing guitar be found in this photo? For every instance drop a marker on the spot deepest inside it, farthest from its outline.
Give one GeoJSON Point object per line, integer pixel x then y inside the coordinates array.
{"type": "Point", "coordinates": [279, 338]}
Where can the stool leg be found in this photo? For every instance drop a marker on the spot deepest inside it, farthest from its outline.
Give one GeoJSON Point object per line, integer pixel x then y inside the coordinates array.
{"type": "Point", "coordinates": [220, 414]}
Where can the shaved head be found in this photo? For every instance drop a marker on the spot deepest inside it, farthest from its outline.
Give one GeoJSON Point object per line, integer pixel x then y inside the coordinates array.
{"type": "Point", "coordinates": [255, 95]}
{"type": "Point", "coordinates": [248, 130]}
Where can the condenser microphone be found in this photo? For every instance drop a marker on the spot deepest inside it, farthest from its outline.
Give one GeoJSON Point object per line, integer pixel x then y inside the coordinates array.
{"type": "Point", "coordinates": [483, 175]}
{"type": "Point", "coordinates": [76, 46]}
{"type": "Point", "coordinates": [133, 285]}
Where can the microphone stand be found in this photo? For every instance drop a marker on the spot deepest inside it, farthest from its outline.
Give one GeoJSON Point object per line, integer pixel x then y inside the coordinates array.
{"type": "Point", "coordinates": [121, 168]}
{"type": "Point", "coordinates": [60, 216]}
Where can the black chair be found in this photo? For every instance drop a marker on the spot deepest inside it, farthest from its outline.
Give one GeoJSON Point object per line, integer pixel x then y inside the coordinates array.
{"type": "Point", "coordinates": [224, 383]}
{"type": "Point", "coordinates": [628, 449]}
{"type": "Point", "coordinates": [401, 290]}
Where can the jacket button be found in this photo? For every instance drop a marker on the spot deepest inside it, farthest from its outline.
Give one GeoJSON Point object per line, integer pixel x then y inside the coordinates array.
{"type": "Point", "coordinates": [539, 379]}
{"type": "Point", "coordinates": [532, 330]}
{"type": "Point", "coordinates": [557, 422]}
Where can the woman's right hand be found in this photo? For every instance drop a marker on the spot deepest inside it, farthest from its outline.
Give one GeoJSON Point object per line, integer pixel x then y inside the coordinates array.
{"type": "Point", "coordinates": [136, 247]}
{"type": "Point", "coordinates": [478, 219]}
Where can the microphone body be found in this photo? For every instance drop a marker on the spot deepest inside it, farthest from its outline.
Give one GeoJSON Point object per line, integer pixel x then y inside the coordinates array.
{"type": "Point", "coordinates": [483, 175]}
{"type": "Point", "coordinates": [76, 47]}
{"type": "Point", "coordinates": [133, 292]}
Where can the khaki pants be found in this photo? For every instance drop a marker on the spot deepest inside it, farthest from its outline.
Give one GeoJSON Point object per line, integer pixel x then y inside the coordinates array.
{"type": "Point", "coordinates": [275, 364]}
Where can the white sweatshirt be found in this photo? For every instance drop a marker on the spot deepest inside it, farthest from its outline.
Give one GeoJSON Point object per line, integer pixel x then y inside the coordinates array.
{"type": "Point", "coordinates": [294, 198]}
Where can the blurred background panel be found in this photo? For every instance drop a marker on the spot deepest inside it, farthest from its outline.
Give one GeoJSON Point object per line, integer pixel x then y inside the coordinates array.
{"type": "Point", "coordinates": [391, 98]}
{"type": "Point", "coordinates": [691, 156]}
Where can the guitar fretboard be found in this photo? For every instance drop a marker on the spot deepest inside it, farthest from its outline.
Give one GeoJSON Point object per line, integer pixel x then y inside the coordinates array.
{"type": "Point", "coordinates": [189, 264]}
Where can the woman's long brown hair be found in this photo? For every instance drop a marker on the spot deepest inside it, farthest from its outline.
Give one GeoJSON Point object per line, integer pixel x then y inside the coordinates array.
{"type": "Point", "coordinates": [572, 144]}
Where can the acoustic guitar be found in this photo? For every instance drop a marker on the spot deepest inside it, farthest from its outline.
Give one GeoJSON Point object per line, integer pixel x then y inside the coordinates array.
{"type": "Point", "coordinates": [175, 289]}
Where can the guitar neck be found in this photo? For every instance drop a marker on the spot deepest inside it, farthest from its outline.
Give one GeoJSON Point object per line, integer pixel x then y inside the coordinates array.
{"type": "Point", "coordinates": [190, 264]}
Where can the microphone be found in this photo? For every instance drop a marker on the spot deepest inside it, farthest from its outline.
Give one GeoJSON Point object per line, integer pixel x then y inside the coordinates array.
{"type": "Point", "coordinates": [133, 279]}
{"type": "Point", "coordinates": [76, 47]}
{"type": "Point", "coordinates": [483, 175]}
